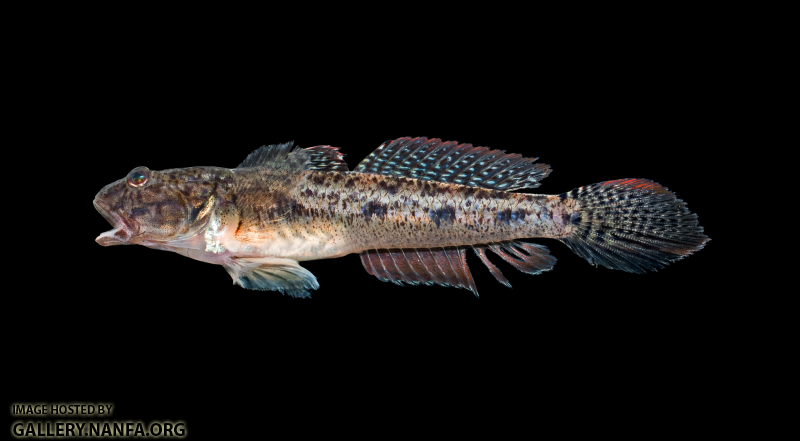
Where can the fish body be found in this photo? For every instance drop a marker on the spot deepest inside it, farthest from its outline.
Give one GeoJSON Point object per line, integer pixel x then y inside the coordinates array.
{"type": "Point", "coordinates": [411, 210]}
{"type": "Point", "coordinates": [338, 213]}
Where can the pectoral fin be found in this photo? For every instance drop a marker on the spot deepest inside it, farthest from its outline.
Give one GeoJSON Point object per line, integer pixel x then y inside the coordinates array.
{"type": "Point", "coordinates": [271, 274]}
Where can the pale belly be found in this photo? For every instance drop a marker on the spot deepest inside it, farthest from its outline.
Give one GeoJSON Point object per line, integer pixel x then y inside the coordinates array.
{"type": "Point", "coordinates": [289, 244]}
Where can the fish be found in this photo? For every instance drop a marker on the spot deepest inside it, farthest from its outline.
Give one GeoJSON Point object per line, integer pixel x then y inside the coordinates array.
{"type": "Point", "coordinates": [412, 210]}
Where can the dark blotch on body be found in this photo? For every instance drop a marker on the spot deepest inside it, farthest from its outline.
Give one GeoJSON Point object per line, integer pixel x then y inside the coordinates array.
{"type": "Point", "coordinates": [375, 208]}
{"type": "Point", "coordinates": [446, 214]}
{"type": "Point", "coordinates": [505, 216]}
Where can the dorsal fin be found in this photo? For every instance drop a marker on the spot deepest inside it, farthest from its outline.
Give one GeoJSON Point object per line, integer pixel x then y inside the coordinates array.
{"type": "Point", "coordinates": [326, 158]}
{"type": "Point", "coordinates": [263, 185]}
{"type": "Point", "coordinates": [434, 160]}
{"type": "Point", "coordinates": [321, 157]}
{"type": "Point", "coordinates": [270, 156]}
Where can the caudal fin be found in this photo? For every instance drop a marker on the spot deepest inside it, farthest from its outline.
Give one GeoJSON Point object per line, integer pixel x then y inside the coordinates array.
{"type": "Point", "coordinates": [632, 225]}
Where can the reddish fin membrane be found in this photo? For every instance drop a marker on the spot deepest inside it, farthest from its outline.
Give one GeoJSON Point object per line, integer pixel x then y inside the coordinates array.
{"type": "Point", "coordinates": [448, 266]}
{"type": "Point", "coordinates": [526, 257]}
{"type": "Point", "coordinates": [632, 225]}
{"type": "Point", "coordinates": [453, 163]}
{"type": "Point", "coordinates": [438, 266]}
{"type": "Point", "coordinates": [495, 271]}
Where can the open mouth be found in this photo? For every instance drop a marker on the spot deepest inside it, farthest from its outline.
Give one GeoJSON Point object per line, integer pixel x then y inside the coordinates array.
{"type": "Point", "coordinates": [120, 235]}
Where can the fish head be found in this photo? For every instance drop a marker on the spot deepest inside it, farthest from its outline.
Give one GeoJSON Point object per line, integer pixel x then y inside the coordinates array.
{"type": "Point", "coordinates": [150, 207]}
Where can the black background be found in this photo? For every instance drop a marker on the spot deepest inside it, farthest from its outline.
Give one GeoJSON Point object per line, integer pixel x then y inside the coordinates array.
{"type": "Point", "coordinates": [178, 341]}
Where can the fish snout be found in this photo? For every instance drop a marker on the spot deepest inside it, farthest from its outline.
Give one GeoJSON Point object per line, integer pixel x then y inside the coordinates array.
{"type": "Point", "coordinates": [121, 234]}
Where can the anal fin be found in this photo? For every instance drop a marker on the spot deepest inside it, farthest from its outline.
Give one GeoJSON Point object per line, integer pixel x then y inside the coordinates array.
{"type": "Point", "coordinates": [448, 266]}
{"type": "Point", "coordinates": [437, 266]}
{"type": "Point", "coordinates": [495, 271]}
{"type": "Point", "coordinates": [526, 257]}
{"type": "Point", "coordinates": [271, 274]}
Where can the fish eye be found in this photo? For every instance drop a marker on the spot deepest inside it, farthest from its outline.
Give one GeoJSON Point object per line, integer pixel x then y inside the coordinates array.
{"type": "Point", "coordinates": [138, 178]}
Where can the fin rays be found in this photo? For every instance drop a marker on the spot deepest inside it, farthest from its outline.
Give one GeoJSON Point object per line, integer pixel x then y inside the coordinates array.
{"type": "Point", "coordinates": [634, 225]}
{"type": "Point", "coordinates": [448, 266]}
{"type": "Point", "coordinates": [271, 274]}
{"type": "Point", "coordinates": [450, 162]}
{"type": "Point", "coordinates": [325, 158]}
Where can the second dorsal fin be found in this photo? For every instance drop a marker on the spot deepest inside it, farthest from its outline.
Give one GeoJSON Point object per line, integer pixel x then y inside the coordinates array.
{"type": "Point", "coordinates": [434, 160]}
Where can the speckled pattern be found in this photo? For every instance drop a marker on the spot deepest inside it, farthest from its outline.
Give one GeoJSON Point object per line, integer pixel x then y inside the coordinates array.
{"type": "Point", "coordinates": [323, 214]}
{"type": "Point", "coordinates": [172, 203]}
{"type": "Point", "coordinates": [354, 212]}
{"type": "Point", "coordinates": [405, 211]}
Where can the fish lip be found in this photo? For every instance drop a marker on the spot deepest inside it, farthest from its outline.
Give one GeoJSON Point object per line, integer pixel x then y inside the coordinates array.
{"type": "Point", "coordinates": [103, 208]}
{"type": "Point", "coordinates": [121, 234]}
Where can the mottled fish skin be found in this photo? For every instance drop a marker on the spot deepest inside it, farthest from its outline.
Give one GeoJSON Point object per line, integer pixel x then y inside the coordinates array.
{"type": "Point", "coordinates": [175, 204]}
{"type": "Point", "coordinates": [340, 213]}
{"type": "Point", "coordinates": [332, 214]}
{"type": "Point", "coordinates": [282, 206]}
{"type": "Point", "coordinates": [329, 214]}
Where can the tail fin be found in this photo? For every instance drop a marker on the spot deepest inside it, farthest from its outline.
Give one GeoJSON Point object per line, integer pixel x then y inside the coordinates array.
{"type": "Point", "coordinates": [632, 225]}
